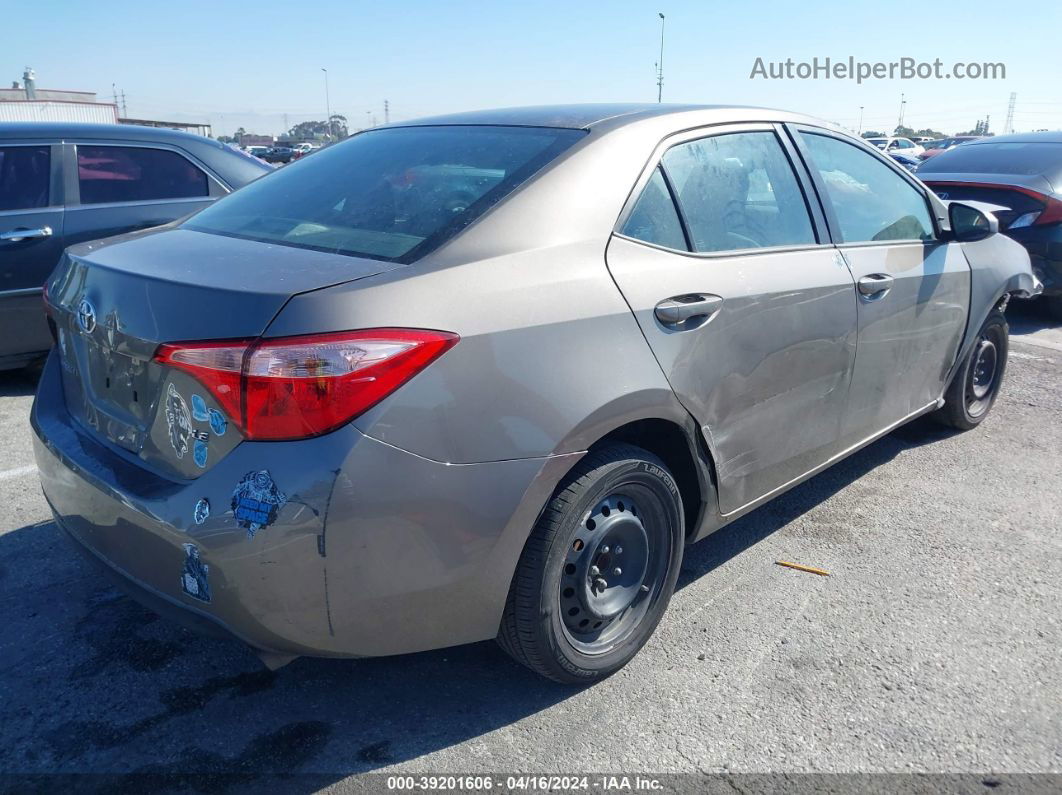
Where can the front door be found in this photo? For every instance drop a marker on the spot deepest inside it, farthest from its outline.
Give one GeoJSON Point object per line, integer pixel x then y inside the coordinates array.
{"type": "Point", "coordinates": [751, 317]}
{"type": "Point", "coordinates": [912, 289]}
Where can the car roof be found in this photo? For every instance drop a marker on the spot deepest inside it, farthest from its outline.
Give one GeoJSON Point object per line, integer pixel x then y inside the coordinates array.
{"type": "Point", "coordinates": [583, 116]}
{"type": "Point", "coordinates": [118, 132]}
{"type": "Point", "coordinates": [1049, 137]}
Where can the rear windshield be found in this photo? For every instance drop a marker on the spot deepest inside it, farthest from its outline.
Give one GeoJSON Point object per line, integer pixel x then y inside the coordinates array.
{"type": "Point", "coordinates": [391, 194]}
{"type": "Point", "coordinates": [999, 158]}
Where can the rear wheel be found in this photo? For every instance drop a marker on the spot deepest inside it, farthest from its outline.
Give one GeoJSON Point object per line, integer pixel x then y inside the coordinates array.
{"type": "Point", "coordinates": [598, 569]}
{"type": "Point", "coordinates": [976, 384]}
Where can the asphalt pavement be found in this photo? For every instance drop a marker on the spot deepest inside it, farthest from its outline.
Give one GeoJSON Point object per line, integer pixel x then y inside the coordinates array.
{"type": "Point", "coordinates": [934, 644]}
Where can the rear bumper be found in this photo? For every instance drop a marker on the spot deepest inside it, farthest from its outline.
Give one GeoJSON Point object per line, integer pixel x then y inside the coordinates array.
{"type": "Point", "coordinates": [1045, 253]}
{"type": "Point", "coordinates": [374, 550]}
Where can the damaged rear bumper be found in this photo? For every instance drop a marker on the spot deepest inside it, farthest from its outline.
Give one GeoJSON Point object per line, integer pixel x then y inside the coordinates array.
{"type": "Point", "coordinates": [371, 550]}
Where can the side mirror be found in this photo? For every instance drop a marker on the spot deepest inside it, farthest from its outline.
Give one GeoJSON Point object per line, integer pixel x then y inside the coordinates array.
{"type": "Point", "coordinates": [969, 224]}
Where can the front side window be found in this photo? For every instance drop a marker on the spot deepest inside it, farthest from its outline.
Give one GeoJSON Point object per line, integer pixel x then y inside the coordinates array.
{"type": "Point", "coordinates": [25, 174]}
{"type": "Point", "coordinates": [738, 191]}
{"type": "Point", "coordinates": [391, 194]}
{"type": "Point", "coordinates": [870, 201]}
{"type": "Point", "coordinates": [654, 218]}
{"type": "Point", "coordinates": [134, 173]}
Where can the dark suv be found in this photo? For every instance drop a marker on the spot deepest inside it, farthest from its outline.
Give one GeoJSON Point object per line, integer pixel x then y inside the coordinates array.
{"type": "Point", "coordinates": [66, 183]}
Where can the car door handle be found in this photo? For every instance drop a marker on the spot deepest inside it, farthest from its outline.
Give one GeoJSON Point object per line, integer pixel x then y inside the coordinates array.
{"type": "Point", "coordinates": [876, 284]}
{"type": "Point", "coordinates": [681, 308]}
{"type": "Point", "coordinates": [15, 235]}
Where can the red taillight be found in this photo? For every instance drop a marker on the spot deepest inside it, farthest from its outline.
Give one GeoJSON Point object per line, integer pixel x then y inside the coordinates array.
{"type": "Point", "coordinates": [294, 387]}
{"type": "Point", "coordinates": [1051, 213]}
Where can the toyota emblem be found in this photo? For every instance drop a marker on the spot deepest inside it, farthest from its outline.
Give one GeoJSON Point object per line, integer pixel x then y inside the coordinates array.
{"type": "Point", "coordinates": [86, 316]}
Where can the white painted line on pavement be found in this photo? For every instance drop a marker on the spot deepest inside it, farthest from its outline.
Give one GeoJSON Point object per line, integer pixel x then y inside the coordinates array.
{"type": "Point", "coordinates": [18, 472]}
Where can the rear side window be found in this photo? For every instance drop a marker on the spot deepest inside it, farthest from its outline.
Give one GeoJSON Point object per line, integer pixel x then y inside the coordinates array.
{"type": "Point", "coordinates": [872, 203]}
{"type": "Point", "coordinates": [654, 218]}
{"type": "Point", "coordinates": [135, 173]}
{"type": "Point", "coordinates": [391, 194]}
{"type": "Point", "coordinates": [738, 191]}
{"type": "Point", "coordinates": [25, 174]}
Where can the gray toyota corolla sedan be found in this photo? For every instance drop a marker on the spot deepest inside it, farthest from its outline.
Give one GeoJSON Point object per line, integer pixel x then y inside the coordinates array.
{"type": "Point", "coordinates": [485, 375]}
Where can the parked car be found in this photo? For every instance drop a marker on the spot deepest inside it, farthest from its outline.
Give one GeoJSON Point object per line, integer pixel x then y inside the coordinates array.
{"type": "Point", "coordinates": [257, 151]}
{"type": "Point", "coordinates": [935, 148]}
{"type": "Point", "coordinates": [279, 154]}
{"type": "Point", "coordinates": [910, 163]}
{"type": "Point", "coordinates": [486, 375]}
{"type": "Point", "coordinates": [1022, 175]}
{"type": "Point", "coordinates": [900, 146]}
{"type": "Point", "coordinates": [64, 183]}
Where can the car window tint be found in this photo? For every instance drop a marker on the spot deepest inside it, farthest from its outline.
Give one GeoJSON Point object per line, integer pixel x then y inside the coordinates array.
{"type": "Point", "coordinates": [654, 218]}
{"type": "Point", "coordinates": [391, 194]}
{"type": "Point", "coordinates": [133, 173]}
{"type": "Point", "coordinates": [870, 201]}
{"type": "Point", "coordinates": [24, 177]}
{"type": "Point", "coordinates": [738, 191]}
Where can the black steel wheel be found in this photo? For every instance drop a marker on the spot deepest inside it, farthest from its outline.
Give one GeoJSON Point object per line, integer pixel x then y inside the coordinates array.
{"type": "Point", "coordinates": [976, 384]}
{"type": "Point", "coordinates": [599, 568]}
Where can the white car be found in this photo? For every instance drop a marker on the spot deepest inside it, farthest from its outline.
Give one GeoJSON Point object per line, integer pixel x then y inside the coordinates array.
{"type": "Point", "coordinates": [897, 146]}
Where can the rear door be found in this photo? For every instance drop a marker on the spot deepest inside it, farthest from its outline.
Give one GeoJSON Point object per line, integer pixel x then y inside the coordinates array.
{"type": "Point", "coordinates": [31, 240]}
{"type": "Point", "coordinates": [912, 289]}
{"type": "Point", "coordinates": [123, 187]}
{"type": "Point", "coordinates": [748, 308]}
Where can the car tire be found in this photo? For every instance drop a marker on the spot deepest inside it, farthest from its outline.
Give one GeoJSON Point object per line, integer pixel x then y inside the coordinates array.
{"type": "Point", "coordinates": [976, 385]}
{"type": "Point", "coordinates": [618, 515]}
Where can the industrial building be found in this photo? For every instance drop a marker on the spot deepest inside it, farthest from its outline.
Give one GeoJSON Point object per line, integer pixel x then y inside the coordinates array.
{"type": "Point", "coordinates": [24, 101]}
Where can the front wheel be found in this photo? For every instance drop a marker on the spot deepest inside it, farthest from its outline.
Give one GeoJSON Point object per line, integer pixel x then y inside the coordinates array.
{"type": "Point", "coordinates": [976, 385]}
{"type": "Point", "coordinates": [599, 568]}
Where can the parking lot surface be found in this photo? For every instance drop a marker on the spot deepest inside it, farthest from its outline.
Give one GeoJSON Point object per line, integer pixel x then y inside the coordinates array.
{"type": "Point", "coordinates": [932, 646]}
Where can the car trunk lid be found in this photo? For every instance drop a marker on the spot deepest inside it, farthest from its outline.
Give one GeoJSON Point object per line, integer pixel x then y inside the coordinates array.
{"type": "Point", "coordinates": [114, 302]}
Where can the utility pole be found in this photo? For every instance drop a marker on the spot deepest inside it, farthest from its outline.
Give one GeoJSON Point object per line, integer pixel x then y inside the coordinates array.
{"type": "Point", "coordinates": [903, 102]}
{"type": "Point", "coordinates": [328, 105]}
{"type": "Point", "coordinates": [660, 64]}
{"type": "Point", "coordinates": [125, 111]}
{"type": "Point", "coordinates": [387, 112]}
{"type": "Point", "coordinates": [860, 131]}
{"type": "Point", "coordinates": [1008, 127]}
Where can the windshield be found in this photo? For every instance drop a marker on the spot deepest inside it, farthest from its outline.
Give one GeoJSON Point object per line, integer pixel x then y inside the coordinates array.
{"type": "Point", "coordinates": [391, 194]}
{"type": "Point", "coordinates": [1030, 159]}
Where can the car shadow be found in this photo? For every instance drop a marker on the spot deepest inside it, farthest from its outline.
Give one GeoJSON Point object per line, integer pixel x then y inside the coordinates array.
{"type": "Point", "coordinates": [733, 539]}
{"type": "Point", "coordinates": [93, 682]}
{"type": "Point", "coordinates": [1026, 317]}
{"type": "Point", "coordinates": [20, 382]}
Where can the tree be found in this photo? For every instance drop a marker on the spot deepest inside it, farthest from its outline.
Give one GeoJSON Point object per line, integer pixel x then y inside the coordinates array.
{"type": "Point", "coordinates": [874, 134]}
{"type": "Point", "coordinates": [981, 128]}
{"type": "Point", "coordinates": [319, 129]}
{"type": "Point", "coordinates": [235, 138]}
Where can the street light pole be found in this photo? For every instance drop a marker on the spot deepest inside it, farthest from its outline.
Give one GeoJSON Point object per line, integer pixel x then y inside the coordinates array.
{"type": "Point", "coordinates": [660, 64]}
{"type": "Point", "coordinates": [328, 105]}
{"type": "Point", "coordinates": [903, 102]}
{"type": "Point", "coordinates": [860, 131]}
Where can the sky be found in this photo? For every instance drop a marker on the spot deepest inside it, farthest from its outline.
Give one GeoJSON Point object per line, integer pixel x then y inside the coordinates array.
{"type": "Point", "coordinates": [258, 65]}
